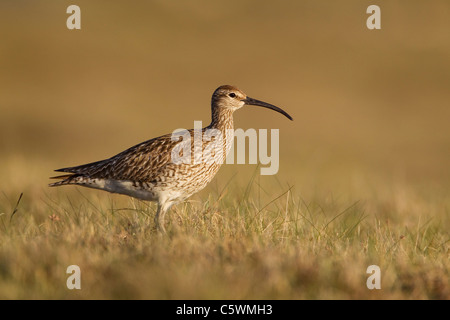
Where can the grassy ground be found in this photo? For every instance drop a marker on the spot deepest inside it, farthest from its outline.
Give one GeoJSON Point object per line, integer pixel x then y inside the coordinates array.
{"type": "Point", "coordinates": [238, 242]}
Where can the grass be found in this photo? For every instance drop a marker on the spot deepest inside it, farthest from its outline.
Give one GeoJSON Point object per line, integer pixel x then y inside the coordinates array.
{"type": "Point", "coordinates": [238, 242]}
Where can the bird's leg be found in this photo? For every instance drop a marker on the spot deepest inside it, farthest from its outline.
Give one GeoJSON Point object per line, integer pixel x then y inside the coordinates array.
{"type": "Point", "coordinates": [163, 207]}
{"type": "Point", "coordinates": [159, 218]}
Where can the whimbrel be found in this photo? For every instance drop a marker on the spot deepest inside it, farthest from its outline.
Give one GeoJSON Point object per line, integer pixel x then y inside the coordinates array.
{"type": "Point", "coordinates": [148, 171]}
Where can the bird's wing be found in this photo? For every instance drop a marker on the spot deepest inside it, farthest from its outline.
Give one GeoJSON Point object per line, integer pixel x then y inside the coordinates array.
{"type": "Point", "coordinates": [138, 163]}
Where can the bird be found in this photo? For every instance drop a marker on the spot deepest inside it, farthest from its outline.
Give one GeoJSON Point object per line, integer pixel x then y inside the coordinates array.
{"type": "Point", "coordinates": [166, 169]}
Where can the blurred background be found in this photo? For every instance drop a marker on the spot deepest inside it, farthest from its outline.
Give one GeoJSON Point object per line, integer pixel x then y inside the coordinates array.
{"type": "Point", "coordinates": [370, 107]}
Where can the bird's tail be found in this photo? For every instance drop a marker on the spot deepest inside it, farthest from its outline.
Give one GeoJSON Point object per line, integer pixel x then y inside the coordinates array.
{"type": "Point", "coordinates": [67, 179]}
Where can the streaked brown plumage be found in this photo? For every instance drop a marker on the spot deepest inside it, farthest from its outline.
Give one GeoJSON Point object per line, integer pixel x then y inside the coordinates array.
{"type": "Point", "coordinates": [148, 171]}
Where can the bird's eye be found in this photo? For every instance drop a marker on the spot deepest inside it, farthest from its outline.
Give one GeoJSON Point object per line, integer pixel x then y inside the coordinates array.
{"type": "Point", "coordinates": [232, 95]}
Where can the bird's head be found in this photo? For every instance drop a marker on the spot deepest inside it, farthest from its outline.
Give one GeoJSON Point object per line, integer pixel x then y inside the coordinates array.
{"type": "Point", "coordinates": [231, 98]}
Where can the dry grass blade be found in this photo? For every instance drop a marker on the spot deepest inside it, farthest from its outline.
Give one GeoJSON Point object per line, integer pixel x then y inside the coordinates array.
{"type": "Point", "coordinates": [16, 207]}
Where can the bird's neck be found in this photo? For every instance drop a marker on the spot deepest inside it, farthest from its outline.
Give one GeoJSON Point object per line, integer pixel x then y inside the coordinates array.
{"type": "Point", "coordinates": [222, 119]}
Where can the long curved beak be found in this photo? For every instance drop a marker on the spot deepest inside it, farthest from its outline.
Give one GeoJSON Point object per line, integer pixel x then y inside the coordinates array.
{"type": "Point", "coordinates": [254, 102]}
